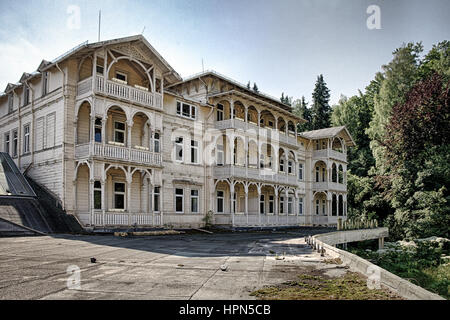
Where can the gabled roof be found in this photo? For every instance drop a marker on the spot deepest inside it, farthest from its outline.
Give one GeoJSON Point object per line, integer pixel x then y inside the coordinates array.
{"type": "Point", "coordinates": [237, 84]}
{"type": "Point", "coordinates": [328, 133]}
{"type": "Point", "coordinates": [86, 47]}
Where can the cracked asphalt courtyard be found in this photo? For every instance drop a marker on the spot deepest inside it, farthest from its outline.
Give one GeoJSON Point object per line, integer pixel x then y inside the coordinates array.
{"type": "Point", "coordinates": [156, 267]}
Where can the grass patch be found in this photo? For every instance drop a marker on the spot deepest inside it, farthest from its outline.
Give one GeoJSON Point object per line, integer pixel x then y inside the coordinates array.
{"type": "Point", "coordinates": [351, 286]}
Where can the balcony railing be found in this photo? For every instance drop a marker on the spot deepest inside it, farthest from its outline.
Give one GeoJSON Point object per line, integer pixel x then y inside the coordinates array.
{"type": "Point", "coordinates": [251, 127]}
{"type": "Point", "coordinates": [266, 175]}
{"type": "Point", "coordinates": [126, 219]}
{"type": "Point", "coordinates": [107, 151]}
{"type": "Point", "coordinates": [120, 91]}
{"type": "Point", "coordinates": [329, 153]}
{"type": "Point", "coordinates": [329, 186]}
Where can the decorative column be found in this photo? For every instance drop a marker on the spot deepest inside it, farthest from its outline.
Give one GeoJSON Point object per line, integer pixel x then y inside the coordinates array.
{"type": "Point", "coordinates": [129, 127]}
{"type": "Point", "coordinates": [231, 203]}
{"type": "Point", "coordinates": [232, 109]}
{"type": "Point", "coordinates": [258, 189]}
{"type": "Point", "coordinates": [104, 122]}
{"type": "Point", "coordinates": [91, 199]}
{"type": "Point", "coordinates": [246, 201]}
{"type": "Point", "coordinates": [276, 201]}
{"type": "Point", "coordinates": [285, 204]}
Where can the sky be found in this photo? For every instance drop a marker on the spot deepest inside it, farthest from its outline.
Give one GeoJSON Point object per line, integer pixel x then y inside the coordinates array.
{"type": "Point", "coordinates": [281, 45]}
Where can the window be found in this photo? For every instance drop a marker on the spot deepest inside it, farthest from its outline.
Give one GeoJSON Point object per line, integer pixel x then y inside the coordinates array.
{"type": "Point", "coordinates": [119, 132]}
{"type": "Point", "coordinates": [324, 145]}
{"type": "Point", "coordinates": [179, 149]}
{"type": "Point", "coordinates": [186, 110]}
{"type": "Point", "coordinates": [219, 112]}
{"type": "Point", "coordinates": [220, 201]}
{"type": "Point", "coordinates": [323, 174]}
{"type": "Point", "coordinates": [100, 69]}
{"type": "Point", "coordinates": [119, 195]}
{"type": "Point", "coordinates": [300, 205]}
{"type": "Point", "coordinates": [26, 138]}
{"type": "Point", "coordinates": [7, 142]}
{"type": "Point", "coordinates": [194, 201]}
{"type": "Point", "coordinates": [219, 160]}
{"type": "Point", "coordinates": [156, 142]}
{"type": "Point", "coordinates": [271, 206]}
{"type": "Point", "coordinates": [97, 195]}
{"type": "Point", "coordinates": [26, 95]}
{"type": "Point", "coordinates": [10, 102]}
{"type": "Point", "coordinates": [323, 207]}
{"type": "Point", "coordinates": [281, 165]}
{"type": "Point", "coordinates": [121, 76]}
{"type": "Point", "coordinates": [317, 206]}
{"type": "Point", "coordinates": [281, 205]}
{"type": "Point", "coordinates": [317, 145]}
{"type": "Point", "coordinates": [98, 130]}
{"type": "Point", "coordinates": [15, 142]}
{"type": "Point", "coordinates": [317, 174]}
{"type": "Point", "coordinates": [234, 201]}
{"type": "Point", "coordinates": [270, 123]}
{"type": "Point", "coordinates": [44, 83]}
{"type": "Point", "coordinates": [194, 151]}
{"type": "Point", "coordinates": [290, 202]}
{"type": "Point", "coordinates": [156, 197]}
{"type": "Point", "coordinates": [300, 171]}
{"type": "Point", "coordinates": [261, 204]}
{"type": "Point", "coordinates": [179, 199]}
{"type": "Point", "coordinates": [289, 167]}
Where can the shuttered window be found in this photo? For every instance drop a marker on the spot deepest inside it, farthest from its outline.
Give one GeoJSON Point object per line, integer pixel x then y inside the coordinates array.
{"type": "Point", "coordinates": [50, 131]}
{"type": "Point", "coordinates": [39, 137]}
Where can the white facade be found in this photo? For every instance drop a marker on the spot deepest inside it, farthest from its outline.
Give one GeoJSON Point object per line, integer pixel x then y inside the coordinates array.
{"type": "Point", "coordinates": [116, 134]}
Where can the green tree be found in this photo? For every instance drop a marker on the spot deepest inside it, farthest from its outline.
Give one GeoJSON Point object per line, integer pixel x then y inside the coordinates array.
{"type": "Point", "coordinates": [321, 110]}
{"type": "Point", "coordinates": [301, 110]}
{"type": "Point", "coordinates": [399, 76]}
{"type": "Point", "coordinates": [255, 87]}
{"type": "Point", "coordinates": [248, 85]}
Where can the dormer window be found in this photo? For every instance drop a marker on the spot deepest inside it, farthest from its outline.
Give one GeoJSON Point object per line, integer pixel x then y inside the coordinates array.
{"type": "Point", "coordinates": [44, 83]}
{"type": "Point", "coordinates": [10, 102]}
{"type": "Point", "coordinates": [26, 95]}
{"type": "Point", "coordinates": [186, 110]}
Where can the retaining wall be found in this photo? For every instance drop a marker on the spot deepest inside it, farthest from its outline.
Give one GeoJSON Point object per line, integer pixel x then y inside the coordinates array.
{"type": "Point", "coordinates": [403, 287]}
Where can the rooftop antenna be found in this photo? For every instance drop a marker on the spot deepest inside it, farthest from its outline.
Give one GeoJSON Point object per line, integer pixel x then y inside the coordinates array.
{"type": "Point", "coordinates": [99, 23]}
{"type": "Point", "coordinates": [143, 30]}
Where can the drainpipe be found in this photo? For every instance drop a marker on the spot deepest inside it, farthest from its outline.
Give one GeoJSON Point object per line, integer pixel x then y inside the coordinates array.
{"type": "Point", "coordinates": [64, 139]}
{"type": "Point", "coordinates": [31, 127]}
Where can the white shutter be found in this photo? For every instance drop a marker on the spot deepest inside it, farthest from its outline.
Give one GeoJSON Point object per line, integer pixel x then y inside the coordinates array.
{"type": "Point", "coordinates": [50, 131]}
{"type": "Point", "coordinates": [39, 136]}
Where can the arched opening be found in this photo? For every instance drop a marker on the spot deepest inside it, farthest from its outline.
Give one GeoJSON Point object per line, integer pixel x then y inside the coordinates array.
{"type": "Point", "coordinates": [239, 110]}
{"type": "Point", "coordinates": [320, 172]}
{"type": "Point", "coordinates": [291, 163]}
{"type": "Point", "coordinates": [320, 204]}
{"type": "Point", "coordinates": [221, 151]}
{"type": "Point", "coordinates": [252, 154]}
{"type": "Point", "coordinates": [82, 189]}
{"type": "Point", "coordinates": [341, 174]}
{"type": "Point", "coordinates": [252, 115]}
{"type": "Point", "coordinates": [334, 177]}
{"type": "Point", "coordinates": [334, 205]}
{"type": "Point", "coordinates": [291, 128]}
{"type": "Point", "coordinates": [266, 158]}
{"type": "Point", "coordinates": [281, 125]}
{"type": "Point", "coordinates": [83, 123]}
{"type": "Point", "coordinates": [140, 132]}
{"type": "Point", "coordinates": [131, 72]}
{"type": "Point", "coordinates": [239, 152]}
{"type": "Point", "coordinates": [337, 145]}
{"type": "Point", "coordinates": [117, 126]}
{"type": "Point", "coordinates": [341, 205]}
{"type": "Point", "coordinates": [267, 120]}
{"type": "Point", "coordinates": [282, 167]}
{"type": "Point", "coordinates": [116, 190]}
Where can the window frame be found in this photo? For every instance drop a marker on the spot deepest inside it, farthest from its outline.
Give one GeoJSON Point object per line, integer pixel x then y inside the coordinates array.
{"type": "Point", "coordinates": [195, 197]}
{"type": "Point", "coordinates": [7, 145]}
{"type": "Point", "coordinates": [262, 204]}
{"type": "Point", "coordinates": [181, 145]}
{"type": "Point", "coordinates": [45, 76]}
{"type": "Point", "coordinates": [192, 115]}
{"type": "Point", "coordinates": [195, 151]}
{"type": "Point", "coordinates": [157, 142]}
{"type": "Point", "coordinates": [222, 199]}
{"type": "Point", "coordinates": [97, 190]}
{"type": "Point", "coordinates": [120, 130]}
{"type": "Point", "coordinates": [121, 193]}
{"type": "Point", "coordinates": [15, 143]}
{"type": "Point", "coordinates": [156, 199]}
{"type": "Point", "coordinates": [182, 200]}
{"type": "Point", "coordinates": [26, 138]}
{"type": "Point", "coordinates": [300, 171]}
{"type": "Point", "coordinates": [300, 206]}
{"type": "Point", "coordinates": [121, 73]}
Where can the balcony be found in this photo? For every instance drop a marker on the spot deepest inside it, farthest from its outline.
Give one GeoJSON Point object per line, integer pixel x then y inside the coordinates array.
{"type": "Point", "coordinates": [329, 153]}
{"type": "Point", "coordinates": [117, 153]}
{"type": "Point", "coordinates": [334, 186]}
{"type": "Point", "coordinates": [263, 175]}
{"type": "Point", "coordinates": [119, 91]}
